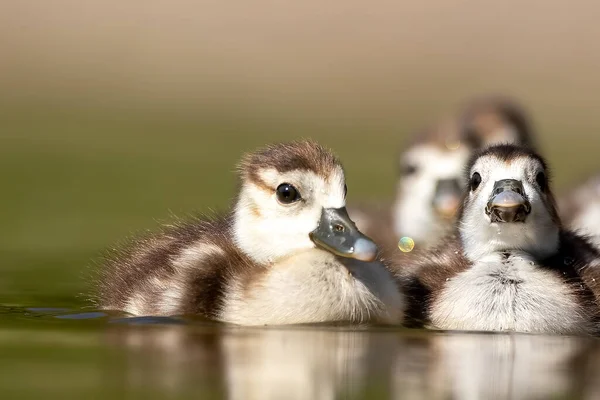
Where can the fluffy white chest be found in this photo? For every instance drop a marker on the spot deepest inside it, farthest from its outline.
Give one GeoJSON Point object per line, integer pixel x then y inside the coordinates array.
{"type": "Point", "coordinates": [314, 287]}
{"type": "Point", "coordinates": [514, 294]}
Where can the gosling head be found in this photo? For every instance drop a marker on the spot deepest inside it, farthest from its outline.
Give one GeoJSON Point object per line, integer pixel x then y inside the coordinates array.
{"type": "Point", "coordinates": [430, 183]}
{"type": "Point", "coordinates": [509, 204]}
{"type": "Point", "coordinates": [292, 198]}
{"type": "Point", "coordinates": [493, 120]}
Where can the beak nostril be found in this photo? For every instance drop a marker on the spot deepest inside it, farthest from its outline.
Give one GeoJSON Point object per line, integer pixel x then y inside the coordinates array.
{"type": "Point", "coordinates": [337, 234]}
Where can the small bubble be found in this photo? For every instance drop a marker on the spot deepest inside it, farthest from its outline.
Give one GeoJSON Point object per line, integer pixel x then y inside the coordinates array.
{"type": "Point", "coordinates": [406, 244]}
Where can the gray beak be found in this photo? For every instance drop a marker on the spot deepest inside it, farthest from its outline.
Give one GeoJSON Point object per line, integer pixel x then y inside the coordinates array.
{"type": "Point", "coordinates": [337, 234]}
{"type": "Point", "coordinates": [508, 202]}
{"type": "Point", "coordinates": [447, 197]}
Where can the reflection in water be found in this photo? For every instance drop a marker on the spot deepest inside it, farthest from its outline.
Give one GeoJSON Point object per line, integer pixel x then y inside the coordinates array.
{"type": "Point", "coordinates": [500, 366]}
{"type": "Point", "coordinates": [330, 363]}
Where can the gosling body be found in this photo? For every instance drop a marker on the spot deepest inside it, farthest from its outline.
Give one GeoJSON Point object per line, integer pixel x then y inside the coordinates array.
{"type": "Point", "coordinates": [507, 268]}
{"type": "Point", "coordinates": [274, 259]}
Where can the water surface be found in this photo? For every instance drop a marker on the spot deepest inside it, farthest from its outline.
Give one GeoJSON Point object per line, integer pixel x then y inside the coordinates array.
{"type": "Point", "coordinates": [62, 353]}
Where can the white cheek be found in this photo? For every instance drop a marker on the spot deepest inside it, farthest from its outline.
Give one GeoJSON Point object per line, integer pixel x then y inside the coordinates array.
{"type": "Point", "coordinates": [479, 203]}
{"type": "Point", "coordinates": [267, 230]}
{"type": "Point", "coordinates": [330, 193]}
{"type": "Point", "coordinates": [418, 188]}
{"type": "Point", "coordinates": [435, 165]}
{"type": "Point", "coordinates": [451, 165]}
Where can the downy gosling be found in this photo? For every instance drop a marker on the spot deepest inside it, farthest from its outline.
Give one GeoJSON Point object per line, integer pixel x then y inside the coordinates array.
{"type": "Point", "coordinates": [287, 253]}
{"type": "Point", "coordinates": [510, 266]}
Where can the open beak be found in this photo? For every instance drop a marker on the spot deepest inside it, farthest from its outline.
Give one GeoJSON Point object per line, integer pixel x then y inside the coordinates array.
{"type": "Point", "coordinates": [508, 202]}
{"type": "Point", "coordinates": [337, 234]}
{"type": "Point", "coordinates": [447, 198]}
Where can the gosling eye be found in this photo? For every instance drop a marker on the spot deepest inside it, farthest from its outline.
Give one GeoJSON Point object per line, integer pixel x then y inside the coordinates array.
{"type": "Point", "coordinates": [287, 194]}
{"type": "Point", "coordinates": [408, 169]}
{"type": "Point", "coordinates": [542, 181]}
{"type": "Point", "coordinates": [475, 181]}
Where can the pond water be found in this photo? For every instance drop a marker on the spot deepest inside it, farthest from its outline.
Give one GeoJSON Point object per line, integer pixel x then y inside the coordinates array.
{"type": "Point", "coordinates": [61, 353]}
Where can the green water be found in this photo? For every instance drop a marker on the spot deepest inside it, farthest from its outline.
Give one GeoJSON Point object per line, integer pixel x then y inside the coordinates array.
{"type": "Point", "coordinates": [67, 354]}
{"type": "Point", "coordinates": [74, 184]}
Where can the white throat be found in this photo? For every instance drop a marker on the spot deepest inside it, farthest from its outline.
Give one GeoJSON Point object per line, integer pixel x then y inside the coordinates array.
{"type": "Point", "coordinates": [315, 286]}
{"type": "Point", "coordinates": [538, 241]}
{"type": "Point", "coordinates": [264, 239]}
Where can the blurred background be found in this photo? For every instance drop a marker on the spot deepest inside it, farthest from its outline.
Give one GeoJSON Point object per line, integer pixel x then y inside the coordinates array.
{"type": "Point", "coordinates": [117, 114]}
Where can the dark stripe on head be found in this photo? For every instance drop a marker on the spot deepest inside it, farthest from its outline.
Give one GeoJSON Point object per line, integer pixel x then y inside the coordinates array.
{"type": "Point", "coordinates": [304, 155]}
{"type": "Point", "coordinates": [507, 152]}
